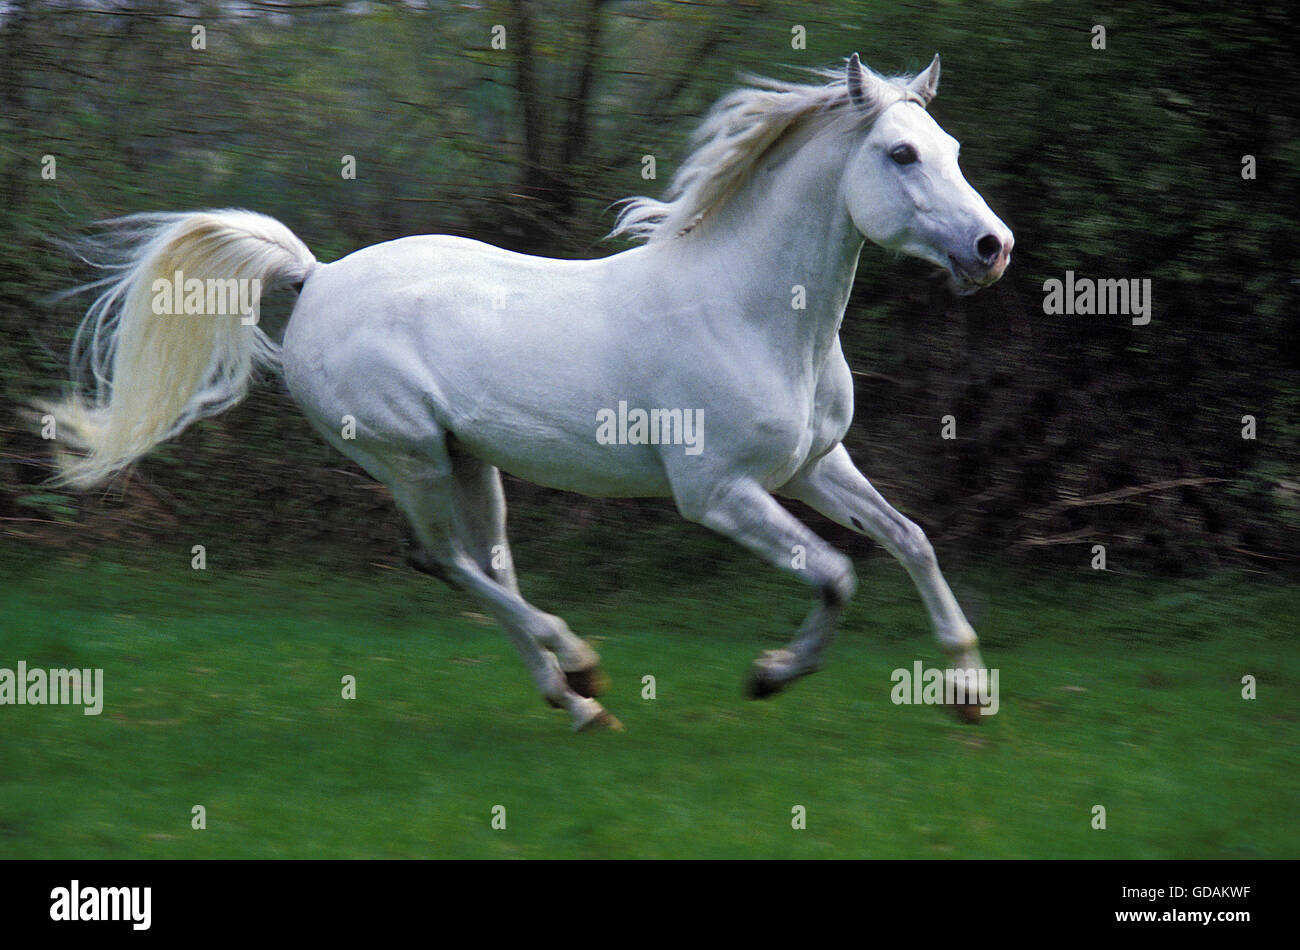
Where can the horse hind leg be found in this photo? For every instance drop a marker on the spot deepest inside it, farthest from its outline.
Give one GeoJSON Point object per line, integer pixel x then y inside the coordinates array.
{"type": "Point", "coordinates": [480, 511]}
{"type": "Point", "coordinates": [448, 547]}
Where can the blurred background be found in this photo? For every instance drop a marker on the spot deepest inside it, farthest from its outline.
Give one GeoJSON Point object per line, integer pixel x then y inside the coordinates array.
{"type": "Point", "coordinates": [1120, 687]}
{"type": "Point", "coordinates": [1072, 430]}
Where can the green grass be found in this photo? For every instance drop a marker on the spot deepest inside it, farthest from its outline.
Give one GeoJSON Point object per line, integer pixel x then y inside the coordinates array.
{"type": "Point", "coordinates": [223, 689]}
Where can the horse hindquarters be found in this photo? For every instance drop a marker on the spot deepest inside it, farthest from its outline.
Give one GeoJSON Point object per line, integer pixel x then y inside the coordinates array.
{"type": "Point", "coordinates": [455, 508]}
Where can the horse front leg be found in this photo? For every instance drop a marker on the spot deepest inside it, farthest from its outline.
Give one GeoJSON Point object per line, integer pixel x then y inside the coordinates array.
{"type": "Point", "coordinates": [833, 486]}
{"type": "Point", "coordinates": [746, 513]}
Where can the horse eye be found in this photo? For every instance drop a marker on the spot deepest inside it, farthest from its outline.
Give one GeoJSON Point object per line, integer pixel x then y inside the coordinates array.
{"type": "Point", "coordinates": [903, 154]}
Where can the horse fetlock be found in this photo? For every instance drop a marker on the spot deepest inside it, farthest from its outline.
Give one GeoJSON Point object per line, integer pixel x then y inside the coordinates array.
{"type": "Point", "coordinates": [774, 669]}
{"type": "Point", "coordinates": [840, 591]}
{"type": "Point", "coordinates": [575, 655]}
{"type": "Point", "coordinates": [589, 681]}
{"type": "Point", "coordinates": [775, 661]}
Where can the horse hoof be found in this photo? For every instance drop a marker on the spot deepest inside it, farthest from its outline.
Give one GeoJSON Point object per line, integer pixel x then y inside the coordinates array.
{"type": "Point", "coordinates": [967, 713]}
{"type": "Point", "coordinates": [590, 682]}
{"type": "Point", "coordinates": [760, 687]}
{"type": "Point", "coordinates": [602, 720]}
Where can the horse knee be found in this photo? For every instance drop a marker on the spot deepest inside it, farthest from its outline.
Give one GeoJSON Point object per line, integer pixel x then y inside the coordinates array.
{"type": "Point", "coordinates": [456, 571]}
{"type": "Point", "coordinates": [422, 562]}
{"type": "Point", "coordinates": [916, 549]}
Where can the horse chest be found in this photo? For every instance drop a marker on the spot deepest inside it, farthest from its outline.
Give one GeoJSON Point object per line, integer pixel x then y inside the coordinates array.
{"type": "Point", "coordinates": [786, 434]}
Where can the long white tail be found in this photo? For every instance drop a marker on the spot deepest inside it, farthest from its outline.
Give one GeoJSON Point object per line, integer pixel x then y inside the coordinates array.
{"type": "Point", "coordinates": [145, 368]}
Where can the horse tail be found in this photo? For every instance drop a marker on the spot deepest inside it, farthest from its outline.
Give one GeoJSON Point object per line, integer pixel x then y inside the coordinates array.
{"type": "Point", "coordinates": [157, 351]}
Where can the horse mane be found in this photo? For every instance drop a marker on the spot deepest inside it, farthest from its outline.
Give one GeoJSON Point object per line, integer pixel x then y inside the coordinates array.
{"type": "Point", "coordinates": [738, 131]}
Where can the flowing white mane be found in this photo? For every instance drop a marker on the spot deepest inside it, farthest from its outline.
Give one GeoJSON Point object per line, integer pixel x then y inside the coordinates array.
{"type": "Point", "coordinates": [738, 131]}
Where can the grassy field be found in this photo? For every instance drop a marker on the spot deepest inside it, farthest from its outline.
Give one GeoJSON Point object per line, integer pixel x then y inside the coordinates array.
{"type": "Point", "coordinates": [223, 690]}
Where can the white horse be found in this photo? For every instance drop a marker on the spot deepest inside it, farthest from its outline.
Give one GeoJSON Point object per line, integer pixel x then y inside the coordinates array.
{"type": "Point", "coordinates": [437, 362]}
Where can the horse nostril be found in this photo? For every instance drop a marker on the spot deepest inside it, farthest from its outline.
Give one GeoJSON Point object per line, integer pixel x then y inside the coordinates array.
{"type": "Point", "coordinates": [988, 248]}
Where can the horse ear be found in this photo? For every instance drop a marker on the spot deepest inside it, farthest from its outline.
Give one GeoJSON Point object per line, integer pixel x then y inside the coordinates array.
{"type": "Point", "coordinates": [854, 77]}
{"type": "Point", "coordinates": [926, 83]}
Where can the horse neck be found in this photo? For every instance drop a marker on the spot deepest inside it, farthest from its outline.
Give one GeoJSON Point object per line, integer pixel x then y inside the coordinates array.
{"type": "Point", "coordinates": [787, 227]}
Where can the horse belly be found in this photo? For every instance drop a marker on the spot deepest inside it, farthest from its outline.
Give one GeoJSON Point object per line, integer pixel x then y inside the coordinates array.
{"type": "Point", "coordinates": [604, 471]}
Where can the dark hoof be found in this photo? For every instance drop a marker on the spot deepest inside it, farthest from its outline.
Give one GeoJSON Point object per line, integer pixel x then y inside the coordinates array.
{"type": "Point", "coordinates": [967, 713]}
{"type": "Point", "coordinates": [604, 720]}
{"type": "Point", "coordinates": [759, 687]}
{"type": "Point", "coordinates": [591, 682]}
